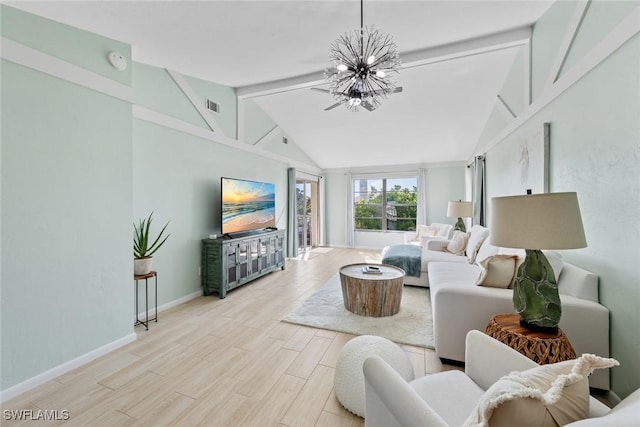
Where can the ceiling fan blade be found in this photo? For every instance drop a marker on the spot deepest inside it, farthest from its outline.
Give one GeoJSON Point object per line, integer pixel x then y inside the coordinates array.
{"type": "Point", "coordinates": [384, 92]}
{"type": "Point", "coordinates": [332, 106]}
{"type": "Point", "coordinates": [320, 89]}
{"type": "Point", "coordinates": [368, 106]}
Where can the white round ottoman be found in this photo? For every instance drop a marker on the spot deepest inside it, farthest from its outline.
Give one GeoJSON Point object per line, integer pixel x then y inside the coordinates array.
{"type": "Point", "coordinates": [349, 378]}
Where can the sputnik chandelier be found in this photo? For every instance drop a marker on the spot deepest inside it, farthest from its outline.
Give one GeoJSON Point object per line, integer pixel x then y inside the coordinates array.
{"type": "Point", "coordinates": [362, 61]}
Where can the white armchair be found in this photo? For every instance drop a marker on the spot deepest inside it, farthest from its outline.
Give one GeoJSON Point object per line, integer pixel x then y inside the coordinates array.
{"type": "Point", "coordinates": [448, 398]}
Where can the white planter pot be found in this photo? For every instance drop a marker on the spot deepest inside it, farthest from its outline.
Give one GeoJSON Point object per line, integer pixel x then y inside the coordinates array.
{"type": "Point", "coordinates": [142, 265]}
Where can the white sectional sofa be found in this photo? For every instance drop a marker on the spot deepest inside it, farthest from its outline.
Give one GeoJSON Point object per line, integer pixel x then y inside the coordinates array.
{"type": "Point", "coordinates": [433, 251]}
{"type": "Point", "coordinates": [459, 305]}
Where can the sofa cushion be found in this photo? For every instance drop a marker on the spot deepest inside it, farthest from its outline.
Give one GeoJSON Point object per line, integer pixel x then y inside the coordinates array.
{"type": "Point", "coordinates": [442, 274]}
{"type": "Point", "coordinates": [497, 271]}
{"type": "Point", "coordinates": [486, 249]}
{"type": "Point", "coordinates": [477, 236]}
{"type": "Point", "coordinates": [547, 395]}
{"type": "Point", "coordinates": [458, 243]}
{"type": "Point", "coordinates": [451, 394]}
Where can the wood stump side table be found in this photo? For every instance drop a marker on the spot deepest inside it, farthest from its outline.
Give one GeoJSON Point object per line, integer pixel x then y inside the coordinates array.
{"type": "Point", "coordinates": [540, 347]}
{"type": "Point", "coordinates": [373, 295]}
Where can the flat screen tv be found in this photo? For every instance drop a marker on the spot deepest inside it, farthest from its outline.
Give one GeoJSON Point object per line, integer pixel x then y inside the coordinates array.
{"type": "Point", "coordinates": [247, 205]}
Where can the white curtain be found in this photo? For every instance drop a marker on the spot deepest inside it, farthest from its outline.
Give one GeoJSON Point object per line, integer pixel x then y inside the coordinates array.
{"type": "Point", "coordinates": [350, 238]}
{"type": "Point", "coordinates": [292, 223]}
{"type": "Point", "coordinates": [422, 198]}
{"type": "Point", "coordinates": [321, 212]}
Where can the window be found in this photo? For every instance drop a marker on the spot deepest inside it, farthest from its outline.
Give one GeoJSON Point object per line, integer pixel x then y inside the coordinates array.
{"type": "Point", "coordinates": [385, 203]}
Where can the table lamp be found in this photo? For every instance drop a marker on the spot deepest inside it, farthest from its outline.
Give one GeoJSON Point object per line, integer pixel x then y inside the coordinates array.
{"type": "Point", "coordinates": [461, 210]}
{"type": "Point", "coordinates": [534, 222]}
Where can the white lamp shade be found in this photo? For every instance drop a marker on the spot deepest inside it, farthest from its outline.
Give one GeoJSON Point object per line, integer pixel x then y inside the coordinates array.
{"type": "Point", "coordinates": [460, 209]}
{"type": "Point", "coordinates": [537, 221]}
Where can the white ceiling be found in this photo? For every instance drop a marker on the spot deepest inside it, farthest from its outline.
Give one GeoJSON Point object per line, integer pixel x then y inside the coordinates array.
{"type": "Point", "coordinates": [282, 46]}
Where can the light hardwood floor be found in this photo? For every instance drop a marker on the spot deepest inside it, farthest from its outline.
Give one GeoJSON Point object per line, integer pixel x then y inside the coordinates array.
{"type": "Point", "coordinates": [214, 362]}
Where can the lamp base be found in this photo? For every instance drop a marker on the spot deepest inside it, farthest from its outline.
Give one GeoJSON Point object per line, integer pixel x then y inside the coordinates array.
{"type": "Point", "coordinates": [551, 330]}
{"type": "Point", "coordinates": [460, 225]}
{"type": "Point", "coordinates": [535, 293]}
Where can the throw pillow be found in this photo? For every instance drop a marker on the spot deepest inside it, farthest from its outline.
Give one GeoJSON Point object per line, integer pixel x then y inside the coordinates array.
{"type": "Point", "coordinates": [556, 261]}
{"type": "Point", "coordinates": [548, 395]}
{"type": "Point", "coordinates": [477, 235]}
{"type": "Point", "coordinates": [458, 243]}
{"type": "Point", "coordinates": [497, 271]}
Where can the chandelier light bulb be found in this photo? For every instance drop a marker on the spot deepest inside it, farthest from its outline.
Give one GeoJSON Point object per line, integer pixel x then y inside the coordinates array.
{"type": "Point", "coordinates": [380, 73]}
{"type": "Point", "coordinates": [342, 68]}
{"type": "Point", "coordinates": [371, 60]}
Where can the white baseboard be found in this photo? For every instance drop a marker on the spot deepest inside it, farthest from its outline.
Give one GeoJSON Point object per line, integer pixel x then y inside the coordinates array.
{"type": "Point", "coordinates": [163, 307]}
{"type": "Point", "coordinates": [55, 372]}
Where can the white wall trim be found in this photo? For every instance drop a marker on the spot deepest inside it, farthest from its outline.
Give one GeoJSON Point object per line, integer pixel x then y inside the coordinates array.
{"type": "Point", "coordinates": [45, 63]}
{"type": "Point", "coordinates": [526, 70]}
{"type": "Point", "coordinates": [152, 116]}
{"type": "Point", "coordinates": [626, 30]}
{"type": "Point", "coordinates": [55, 372]}
{"type": "Point", "coordinates": [504, 109]}
{"type": "Point", "coordinates": [191, 95]}
{"type": "Point", "coordinates": [170, 304]}
{"type": "Point", "coordinates": [265, 138]}
{"type": "Point", "coordinates": [567, 42]}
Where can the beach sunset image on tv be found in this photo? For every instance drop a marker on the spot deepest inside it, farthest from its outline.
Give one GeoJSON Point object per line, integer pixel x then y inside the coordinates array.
{"type": "Point", "coordinates": [247, 205]}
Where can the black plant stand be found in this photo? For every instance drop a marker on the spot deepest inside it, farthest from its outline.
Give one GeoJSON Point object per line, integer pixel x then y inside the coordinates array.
{"type": "Point", "coordinates": [146, 278]}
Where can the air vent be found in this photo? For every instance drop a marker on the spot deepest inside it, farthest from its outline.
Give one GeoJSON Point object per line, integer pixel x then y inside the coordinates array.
{"type": "Point", "coordinates": [285, 140]}
{"type": "Point", "coordinates": [213, 106]}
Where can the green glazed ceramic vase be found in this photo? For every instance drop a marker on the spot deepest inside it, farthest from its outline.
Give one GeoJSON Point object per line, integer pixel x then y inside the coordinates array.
{"type": "Point", "coordinates": [535, 294]}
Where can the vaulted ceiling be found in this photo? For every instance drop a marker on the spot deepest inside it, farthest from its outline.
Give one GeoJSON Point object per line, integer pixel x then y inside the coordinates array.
{"type": "Point", "coordinates": [455, 54]}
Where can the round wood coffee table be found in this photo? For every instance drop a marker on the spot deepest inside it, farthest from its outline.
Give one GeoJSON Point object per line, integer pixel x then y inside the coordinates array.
{"type": "Point", "coordinates": [374, 295]}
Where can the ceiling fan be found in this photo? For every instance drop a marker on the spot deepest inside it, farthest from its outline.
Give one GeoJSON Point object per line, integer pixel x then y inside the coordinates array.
{"type": "Point", "coordinates": [356, 97]}
{"type": "Point", "coordinates": [362, 62]}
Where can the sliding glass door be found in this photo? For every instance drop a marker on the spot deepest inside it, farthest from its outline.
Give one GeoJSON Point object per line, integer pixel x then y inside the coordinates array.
{"type": "Point", "coordinates": [306, 214]}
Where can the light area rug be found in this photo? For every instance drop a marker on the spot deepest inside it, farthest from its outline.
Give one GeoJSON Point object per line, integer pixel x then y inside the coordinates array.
{"type": "Point", "coordinates": [412, 325]}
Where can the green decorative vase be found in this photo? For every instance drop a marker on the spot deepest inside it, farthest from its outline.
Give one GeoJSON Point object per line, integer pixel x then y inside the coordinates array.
{"type": "Point", "coordinates": [460, 225]}
{"type": "Point", "coordinates": [535, 294]}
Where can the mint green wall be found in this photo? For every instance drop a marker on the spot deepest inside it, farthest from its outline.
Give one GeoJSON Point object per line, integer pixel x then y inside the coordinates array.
{"type": "Point", "coordinates": [225, 96]}
{"type": "Point", "coordinates": [442, 185]}
{"type": "Point", "coordinates": [336, 187]}
{"type": "Point", "coordinates": [548, 34]}
{"type": "Point", "coordinates": [257, 122]}
{"type": "Point", "coordinates": [177, 176]}
{"type": "Point", "coordinates": [513, 91]}
{"type": "Point", "coordinates": [78, 47]}
{"type": "Point", "coordinates": [595, 151]}
{"type": "Point", "coordinates": [156, 90]}
{"type": "Point", "coordinates": [602, 17]}
{"type": "Point", "coordinates": [66, 206]}
{"type": "Point", "coordinates": [275, 145]}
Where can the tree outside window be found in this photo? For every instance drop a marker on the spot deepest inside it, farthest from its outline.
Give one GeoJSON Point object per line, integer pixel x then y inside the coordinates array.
{"type": "Point", "coordinates": [385, 203]}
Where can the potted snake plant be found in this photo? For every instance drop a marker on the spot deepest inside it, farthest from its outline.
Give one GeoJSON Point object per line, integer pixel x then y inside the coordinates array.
{"type": "Point", "coordinates": [145, 246]}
